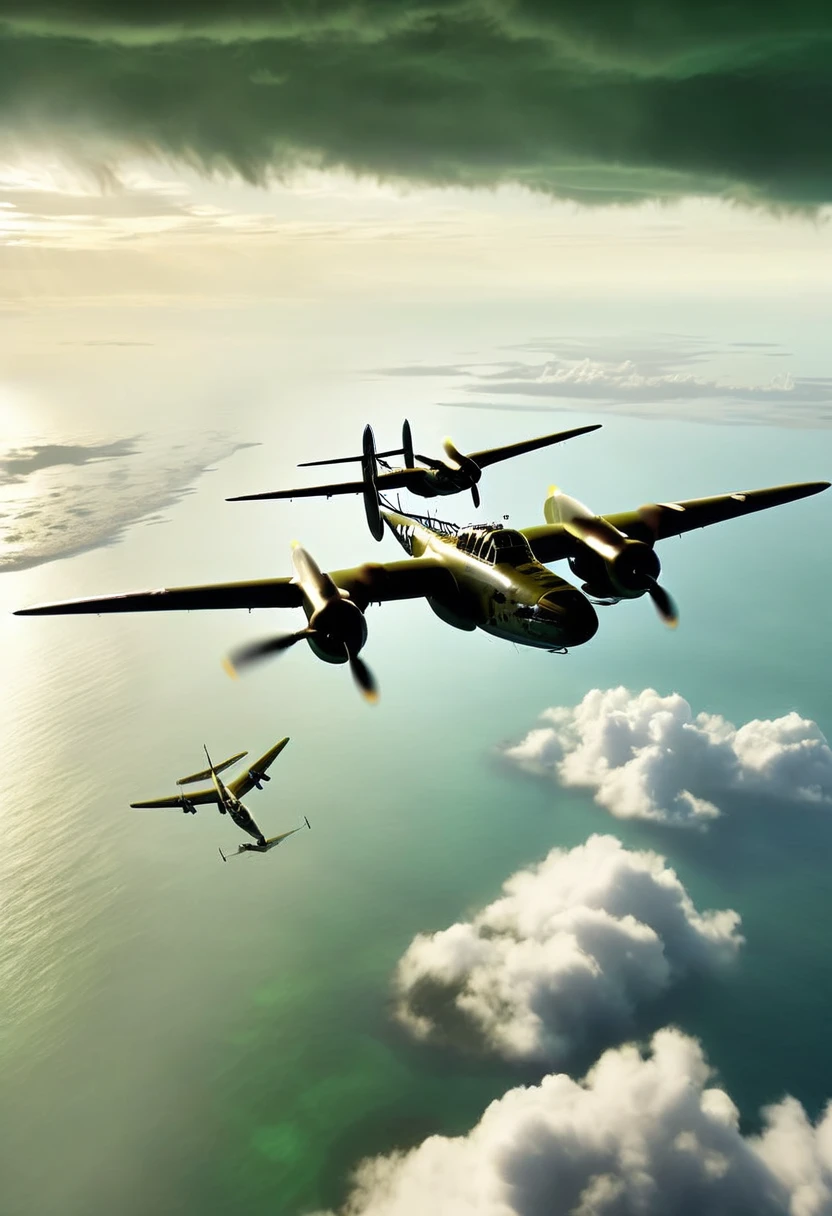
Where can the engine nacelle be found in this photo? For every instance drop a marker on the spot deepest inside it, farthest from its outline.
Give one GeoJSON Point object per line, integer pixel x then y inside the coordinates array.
{"type": "Point", "coordinates": [339, 626]}
{"type": "Point", "coordinates": [624, 577]}
{"type": "Point", "coordinates": [457, 618]}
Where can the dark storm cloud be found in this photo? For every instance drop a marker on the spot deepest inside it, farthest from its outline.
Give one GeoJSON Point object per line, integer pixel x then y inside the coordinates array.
{"type": "Point", "coordinates": [612, 100]}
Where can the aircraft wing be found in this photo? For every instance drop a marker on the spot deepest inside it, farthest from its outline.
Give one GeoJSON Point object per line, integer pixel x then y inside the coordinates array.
{"type": "Point", "coordinates": [197, 798]}
{"type": "Point", "coordinates": [264, 593]}
{"type": "Point", "coordinates": [273, 840]}
{"type": "Point", "coordinates": [248, 780]}
{"type": "Point", "coordinates": [395, 480]}
{"type": "Point", "coordinates": [379, 582]}
{"type": "Point", "coordinates": [493, 455]}
{"type": "Point", "coordinates": [336, 487]}
{"type": "Point", "coordinates": [657, 521]}
{"type": "Point", "coordinates": [249, 849]}
{"type": "Point", "coordinates": [374, 582]}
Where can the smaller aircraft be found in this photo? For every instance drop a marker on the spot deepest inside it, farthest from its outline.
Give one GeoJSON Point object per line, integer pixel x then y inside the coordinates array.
{"type": "Point", "coordinates": [457, 472]}
{"type": "Point", "coordinates": [264, 848]}
{"type": "Point", "coordinates": [227, 798]}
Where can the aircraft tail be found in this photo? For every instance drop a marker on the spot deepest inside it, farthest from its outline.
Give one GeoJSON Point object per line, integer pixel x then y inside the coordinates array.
{"type": "Point", "coordinates": [407, 446]}
{"type": "Point", "coordinates": [206, 772]}
{"type": "Point", "coordinates": [369, 468]}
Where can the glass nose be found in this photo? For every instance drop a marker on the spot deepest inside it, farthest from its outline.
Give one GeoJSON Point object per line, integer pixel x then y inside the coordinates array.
{"type": "Point", "coordinates": [574, 613]}
{"type": "Point", "coordinates": [551, 603]}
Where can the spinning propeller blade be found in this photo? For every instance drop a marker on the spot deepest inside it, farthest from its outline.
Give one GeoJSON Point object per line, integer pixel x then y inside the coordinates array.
{"type": "Point", "coordinates": [580, 522]}
{"type": "Point", "coordinates": [247, 656]}
{"type": "Point", "coordinates": [309, 576]}
{"type": "Point", "coordinates": [460, 461]}
{"type": "Point", "coordinates": [364, 679]}
{"type": "Point", "coordinates": [334, 620]}
{"type": "Point", "coordinates": [664, 603]}
{"type": "Point", "coordinates": [627, 557]}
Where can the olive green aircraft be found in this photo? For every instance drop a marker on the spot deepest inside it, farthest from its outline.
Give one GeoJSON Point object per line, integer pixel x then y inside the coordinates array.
{"type": "Point", "coordinates": [227, 798]}
{"type": "Point", "coordinates": [456, 473]}
{"type": "Point", "coordinates": [483, 576]}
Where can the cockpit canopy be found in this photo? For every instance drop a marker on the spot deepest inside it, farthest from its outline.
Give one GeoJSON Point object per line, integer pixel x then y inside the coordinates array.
{"type": "Point", "coordinates": [495, 545]}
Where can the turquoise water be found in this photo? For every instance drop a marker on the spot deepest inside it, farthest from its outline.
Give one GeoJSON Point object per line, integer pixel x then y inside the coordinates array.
{"type": "Point", "coordinates": [183, 1036]}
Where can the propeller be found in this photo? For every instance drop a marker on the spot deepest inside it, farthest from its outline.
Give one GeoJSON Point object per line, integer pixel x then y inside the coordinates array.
{"type": "Point", "coordinates": [634, 564]}
{"type": "Point", "coordinates": [663, 602]}
{"type": "Point", "coordinates": [458, 460]}
{"type": "Point", "coordinates": [335, 623]}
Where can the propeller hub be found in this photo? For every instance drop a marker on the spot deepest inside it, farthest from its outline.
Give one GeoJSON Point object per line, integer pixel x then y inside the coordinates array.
{"type": "Point", "coordinates": [340, 623]}
{"type": "Point", "coordinates": [336, 631]}
{"type": "Point", "coordinates": [460, 463]}
{"type": "Point", "coordinates": [636, 566]}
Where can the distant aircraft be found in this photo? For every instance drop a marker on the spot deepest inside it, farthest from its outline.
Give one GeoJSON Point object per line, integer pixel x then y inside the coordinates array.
{"type": "Point", "coordinates": [456, 473]}
{"type": "Point", "coordinates": [271, 843]}
{"type": "Point", "coordinates": [479, 577]}
{"type": "Point", "coordinates": [227, 797]}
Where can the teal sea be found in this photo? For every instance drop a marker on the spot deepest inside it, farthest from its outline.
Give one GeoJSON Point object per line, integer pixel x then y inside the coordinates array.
{"type": "Point", "coordinates": [181, 1036]}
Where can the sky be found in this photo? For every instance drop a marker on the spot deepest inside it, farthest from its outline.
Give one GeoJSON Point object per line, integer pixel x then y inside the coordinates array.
{"type": "Point", "coordinates": [556, 941]}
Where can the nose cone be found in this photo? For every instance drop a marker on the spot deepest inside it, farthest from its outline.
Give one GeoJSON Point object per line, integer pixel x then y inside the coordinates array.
{"type": "Point", "coordinates": [575, 617]}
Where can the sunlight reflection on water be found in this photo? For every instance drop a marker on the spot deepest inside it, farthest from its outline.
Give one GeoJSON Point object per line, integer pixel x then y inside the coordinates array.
{"type": "Point", "coordinates": [58, 873]}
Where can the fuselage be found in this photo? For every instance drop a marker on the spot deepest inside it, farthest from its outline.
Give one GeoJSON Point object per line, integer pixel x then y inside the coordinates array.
{"type": "Point", "coordinates": [234, 807]}
{"type": "Point", "coordinates": [498, 586]}
{"type": "Point", "coordinates": [435, 483]}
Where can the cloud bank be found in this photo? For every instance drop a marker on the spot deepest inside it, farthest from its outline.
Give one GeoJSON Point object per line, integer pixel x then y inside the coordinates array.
{"type": "Point", "coordinates": [608, 102]}
{"type": "Point", "coordinates": [795, 399]}
{"type": "Point", "coordinates": [640, 1135]}
{"type": "Point", "coordinates": [647, 757]}
{"type": "Point", "coordinates": [641, 378]}
{"type": "Point", "coordinates": [562, 961]}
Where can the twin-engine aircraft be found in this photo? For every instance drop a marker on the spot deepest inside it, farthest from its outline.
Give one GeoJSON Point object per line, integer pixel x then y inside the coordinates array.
{"type": "Point", "coordinates": [227, 798]}
{"type": "Point", "coordinates": [457, 472]}
{"type": "Point", "coordinates": [478, 577]}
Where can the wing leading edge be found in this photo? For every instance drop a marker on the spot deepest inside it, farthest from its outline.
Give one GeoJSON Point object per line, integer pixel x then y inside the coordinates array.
{"type": "Point", "coordinates": [374, 582]}
{"type": "Point", "coordinates": [658, 521]}
{"type": "Point", "coordinates": [197, 798]}
{"type": "Point", "coordinates": [248, 780]}
{"type": "Point", "coordinates": [397, 479]}
{"type": "Point", "coordinates": [493, 455]}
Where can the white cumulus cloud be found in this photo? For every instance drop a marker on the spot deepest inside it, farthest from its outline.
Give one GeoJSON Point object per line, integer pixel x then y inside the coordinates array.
{"type": "Point", "coordinates": [564, 958]}
{"type": "Point", "coordinates": [647, 757]}
{"type": "Point", "coordinates": [640, 1135]}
